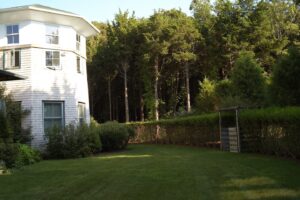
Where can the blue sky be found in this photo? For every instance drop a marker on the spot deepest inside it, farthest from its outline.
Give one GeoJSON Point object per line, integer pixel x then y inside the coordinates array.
{"type": "Point", "coordinates": [103, 10]}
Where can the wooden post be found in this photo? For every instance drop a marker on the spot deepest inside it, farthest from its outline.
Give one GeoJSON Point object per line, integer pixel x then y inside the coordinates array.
{"type": "Point", "coordinates": [220, 127]}
{"type": "Point", "coordinates": [237, 128]}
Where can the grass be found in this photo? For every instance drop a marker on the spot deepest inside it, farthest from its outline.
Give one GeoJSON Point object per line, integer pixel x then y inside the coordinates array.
{"type": "Point", "coordinates": [157, 172]}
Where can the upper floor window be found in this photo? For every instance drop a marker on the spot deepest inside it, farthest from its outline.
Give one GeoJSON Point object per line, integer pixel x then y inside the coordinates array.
{"type": "Point", "coordinates": [12, 33]}
{"type": "Point", "coordinates": [52, 34]}
{"type": "Point", "coordinates": [11, 59]}
{"type": "Point", "coordinates": [77, 42]}
{"type": "Point", "coordinates": [53, 59]}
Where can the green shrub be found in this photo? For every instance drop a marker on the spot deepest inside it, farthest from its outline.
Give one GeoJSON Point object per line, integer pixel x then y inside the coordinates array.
{"type": "Point", "coordinates": [114, 136]}
{"type": "Point", "coordinates": [285, 82]}
{"type": "Point", "coordinates": [18, 155]}
{"type": "Point", "coordinates": [72, 141]}
{"type": "Point", "coordinates": [26, 156]}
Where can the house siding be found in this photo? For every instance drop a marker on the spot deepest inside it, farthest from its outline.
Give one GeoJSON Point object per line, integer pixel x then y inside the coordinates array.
{"type": "Point", "coordinates": [44, 84]}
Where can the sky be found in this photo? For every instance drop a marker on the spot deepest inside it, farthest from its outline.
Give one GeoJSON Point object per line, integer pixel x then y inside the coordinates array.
{"type": "Point", "coordinates": [103, 10]}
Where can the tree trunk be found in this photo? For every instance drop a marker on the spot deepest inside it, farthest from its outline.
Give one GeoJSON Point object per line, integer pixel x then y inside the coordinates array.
{"type": "Point", "coordinates": [109, 98]}
{"type": "Point", "coordinates": [142, 104]}
{"type": "Point", "coordinates": [187, 82]}
{"type": "Point", "coordinates": [126, 93]}
{"type": "Point", "coordinates": [156, 90]}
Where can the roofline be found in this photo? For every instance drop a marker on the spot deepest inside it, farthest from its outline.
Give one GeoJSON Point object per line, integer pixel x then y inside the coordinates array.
{"type": "Point", "coordinates": [53, 11]}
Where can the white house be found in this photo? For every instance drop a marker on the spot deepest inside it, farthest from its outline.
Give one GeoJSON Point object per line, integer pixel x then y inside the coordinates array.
{"type": "Point", "coordinates": [47, 46]}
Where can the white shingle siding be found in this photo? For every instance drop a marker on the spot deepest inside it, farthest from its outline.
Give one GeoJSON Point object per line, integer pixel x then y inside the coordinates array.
{"type": "Point", "coordinates": [42, 83]}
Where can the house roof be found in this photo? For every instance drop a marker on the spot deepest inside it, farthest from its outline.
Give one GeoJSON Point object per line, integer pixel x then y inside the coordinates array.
{"type": "Point", "coordinates": [37, 12]}
{"type": "Point", "coordinates": [8, 76]}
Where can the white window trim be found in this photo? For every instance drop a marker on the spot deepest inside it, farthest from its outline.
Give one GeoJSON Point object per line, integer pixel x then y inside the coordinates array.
{"type": "Point", "coordinates": [78, 42]}
{"type": "Point", "coordinates": [84, 112]}
{"type": "Point", "coordinates": [13, 34]}
{"type": "Point", "coordinates": [4, 59]}
{"type": "Point", "coordinates": [53, 67]}
{"type": "Point", "coordinates": [79, 70]}
{"type": "Point", "coordinates": [52, 35]}
{"type": "Point", "coordinates": [62, 103]}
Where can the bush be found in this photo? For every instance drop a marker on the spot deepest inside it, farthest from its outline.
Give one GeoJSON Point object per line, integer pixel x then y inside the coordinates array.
{"type": "Point", "coordinates": [115, 136]}
{"type": "Point", "coordinates": [18, 155]}
{"type": "Point", "coordinates": [72, 141]}
{"type": "Point", "coordinates": [26, 156]}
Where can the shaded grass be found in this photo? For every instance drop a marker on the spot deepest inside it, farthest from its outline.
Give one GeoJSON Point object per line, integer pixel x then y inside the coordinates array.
{"type": "Point", "coordinates": [157, 172]}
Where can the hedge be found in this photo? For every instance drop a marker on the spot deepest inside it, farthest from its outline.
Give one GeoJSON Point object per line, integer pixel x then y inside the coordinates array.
{"type": "Point", "coordinates": [269, 131]}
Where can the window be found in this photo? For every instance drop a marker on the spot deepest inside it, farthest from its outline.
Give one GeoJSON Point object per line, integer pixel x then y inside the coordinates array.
{"type": "Point", "coordinates": [78, 64]}
{"type": "Point", "coordinates": [81, 112]}
{"type": "Point", "coordinates": [11, 59]}
{"type": "Point", "coordinates": [52, 59]}
{"type": "Point", "coordinates": [12, 33]}
{"type": "Point", "coordinates": [77, 42]}
{"type": "Point", "coordinates": [53, 114]}
{"type": "Point", "coordinates": [52, 35]}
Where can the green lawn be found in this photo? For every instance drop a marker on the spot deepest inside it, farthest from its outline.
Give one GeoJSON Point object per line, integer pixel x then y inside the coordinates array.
{"type": "Point", "coordinates": [157, 172]}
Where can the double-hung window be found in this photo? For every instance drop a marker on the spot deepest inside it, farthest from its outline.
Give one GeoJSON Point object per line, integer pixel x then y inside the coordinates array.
{"type": "Point", "coordinates": [77, 42]}
{"type": "Point", "coordinates": [12, 33]}
{"type": "Point", "coordinates": [52, 36]}
{"type": "Point", "coordinates": [53, 59]}
{"type": "Point", "coordinates": [11, 59]}
{"type": "Point", "coordinates": [53, 114]}
{"type": "Point", "coordinates": [81, 113]}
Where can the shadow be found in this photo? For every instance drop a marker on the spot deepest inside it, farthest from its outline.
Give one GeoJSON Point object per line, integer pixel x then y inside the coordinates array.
{"type": "Point", "coordinates": [45, 84]}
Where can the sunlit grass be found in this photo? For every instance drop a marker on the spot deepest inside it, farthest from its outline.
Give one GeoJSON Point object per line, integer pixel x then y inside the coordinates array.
{"type": "Point", "coordinates": [159, 172]}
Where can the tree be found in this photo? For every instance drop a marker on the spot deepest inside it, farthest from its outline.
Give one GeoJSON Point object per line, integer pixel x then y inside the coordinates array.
{"type": "Point", "coordinates": [206, 100]}
{"type": "Point", "coordinates": [247, 79]}
{"type": "Point", "coordinates": [184, 37]}
{"type": "Point", "coordinates": [157, 48]}
{"type": "Point", "coordinates": [121, 40]}
{"type": "Point", "coordinates": [285, 85]}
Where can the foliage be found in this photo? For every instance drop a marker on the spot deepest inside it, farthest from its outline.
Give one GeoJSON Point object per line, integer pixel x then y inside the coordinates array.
{"type": "Point", "coordinates": [18, 155]}
{"type": "Point", "coordinates": [247, 79]}
{"type": "Point", "coordinates": [271, 131]}
{"type": "Point", "coordinates": [207, 101]}
{"type": "Point", "coordinates": [169, 53]}
{"type": "Point", "coordinates": [114, 136]}
{"type": "Point", "coordinates": [267, 131]}
{"type": "Point", "coordinates": [285, 85]}
{"type": "Point", "coordinates": [73, 141]}
{"type": "Point", "coordinates": [27, 156]}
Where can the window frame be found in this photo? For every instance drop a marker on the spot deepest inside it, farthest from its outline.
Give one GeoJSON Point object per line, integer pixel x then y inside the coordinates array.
{"type": "Point", "coordinates": [13, 58]}
{"type": "Point", "coordinates": [51, 35]}
{"type": "Point", "coordinates": [13, 34]}
{"type": "Point", "coordinates": [78, 64]}
{"type": "Point", "coordinates": [52, 66]}
{"type": "Point", "coordinates": [81, 119]}
{"type": "Point", "coordinates": [78, 42]}
{"type": "Point", "coordinates": [62, 103]}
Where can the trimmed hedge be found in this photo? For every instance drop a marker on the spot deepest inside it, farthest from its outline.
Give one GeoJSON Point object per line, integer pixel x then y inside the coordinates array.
{"type": "Point", "coordinates": [201, 130]}
{"type": "Point", "coordinates": [269, 131]}
{"type": "Point", "coordinates": [114, 136]}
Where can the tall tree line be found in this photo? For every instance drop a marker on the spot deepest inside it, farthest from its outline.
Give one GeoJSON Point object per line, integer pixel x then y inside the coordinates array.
{"type": "Point", "coordinates": [150, 68]}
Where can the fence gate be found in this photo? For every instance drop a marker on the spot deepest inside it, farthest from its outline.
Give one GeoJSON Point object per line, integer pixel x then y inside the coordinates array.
{"type": "Point", "coordinates": [229, 130]}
